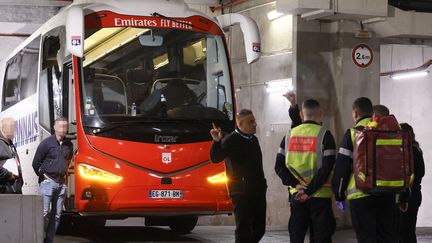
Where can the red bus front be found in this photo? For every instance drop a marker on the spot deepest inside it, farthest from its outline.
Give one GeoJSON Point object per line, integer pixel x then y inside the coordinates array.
{"type": "Point", "coordinates": [147, 91]}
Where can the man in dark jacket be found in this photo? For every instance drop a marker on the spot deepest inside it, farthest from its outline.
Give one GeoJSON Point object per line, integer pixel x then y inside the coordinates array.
{"type": "Point", "coordinates": [50, 164]}
{"type": "Point", "coordinates": [280, 166]}
{"type": "Point", "coordinates": [6, 152]}
{"type": "Point", "coordinates": [373, 216]}
{"type": "Point", "coordinates": [408, 216]}
{"type": "Point", "coordinates": [244, 168]}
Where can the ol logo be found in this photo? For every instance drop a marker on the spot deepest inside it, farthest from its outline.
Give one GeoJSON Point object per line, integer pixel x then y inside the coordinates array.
{"type": "Point", "coordinates": [256, 47]}
{"type": "Point", "coordinates": [76, 40]}
{"type": "Point", "coordinates": [166, 158]}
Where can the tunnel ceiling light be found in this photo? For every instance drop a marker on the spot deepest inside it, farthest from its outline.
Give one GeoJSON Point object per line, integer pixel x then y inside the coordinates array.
{"type": "Point", "coordinates": [279, 86]}
{"type": "Point", "coordinates": [417, 72]}
{"type": "Point", "coordinates": [409, 75]}
{"type": "Point", "coordinates": [274, 15]}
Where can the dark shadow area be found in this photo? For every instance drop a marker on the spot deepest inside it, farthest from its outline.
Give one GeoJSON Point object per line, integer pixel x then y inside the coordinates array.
{"type": "Point", "coordinates": [131, 234]}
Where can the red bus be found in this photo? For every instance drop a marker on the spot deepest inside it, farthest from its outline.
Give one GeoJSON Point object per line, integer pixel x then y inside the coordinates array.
{"type": "Point", "coordinates": [141, 82]}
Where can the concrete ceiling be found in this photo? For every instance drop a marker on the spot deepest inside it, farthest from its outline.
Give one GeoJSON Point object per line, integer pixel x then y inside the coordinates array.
{"type": "Point", "coordinates": [415, 5]}
{"type": "Point", "coordinates": [46, 3]}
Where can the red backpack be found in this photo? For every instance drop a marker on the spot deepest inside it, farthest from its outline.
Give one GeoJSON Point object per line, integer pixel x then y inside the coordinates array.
{"type": "Point", "coordinates": [382, 159]}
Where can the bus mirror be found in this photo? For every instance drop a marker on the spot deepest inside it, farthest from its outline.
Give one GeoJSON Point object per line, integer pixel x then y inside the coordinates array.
{"type": "Point", "coordinates": [151, 40]}
{"type": "Point", "coordinates": [250, 32]}
{"type": "Point", "coordinates": [75, 31]}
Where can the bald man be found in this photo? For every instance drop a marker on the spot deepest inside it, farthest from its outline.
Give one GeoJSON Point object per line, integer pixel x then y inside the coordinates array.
{"type": "Point", "coordinates": [7, 133]}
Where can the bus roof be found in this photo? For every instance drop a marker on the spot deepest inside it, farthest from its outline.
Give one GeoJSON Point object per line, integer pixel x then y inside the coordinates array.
{"type": "Point", "coordinates": [172, 8]}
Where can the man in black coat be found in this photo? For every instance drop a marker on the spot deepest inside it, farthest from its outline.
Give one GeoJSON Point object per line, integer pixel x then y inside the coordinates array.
{"type": "Point", "coordinates": [246, 182]}
{"type": "Point", "coordinates": [6, 151]}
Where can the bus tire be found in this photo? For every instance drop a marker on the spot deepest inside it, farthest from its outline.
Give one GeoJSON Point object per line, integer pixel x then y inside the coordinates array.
{"type": "Point", "coordinates": [183, 225]}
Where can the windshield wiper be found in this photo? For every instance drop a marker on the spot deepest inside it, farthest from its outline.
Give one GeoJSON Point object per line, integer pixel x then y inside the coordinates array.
{"type": "Point", "coordinates": [156, 14]}
{"type": "Point", "coordinates": [99, 130]}
{"type": "Point", "coordinates": [115, 125]}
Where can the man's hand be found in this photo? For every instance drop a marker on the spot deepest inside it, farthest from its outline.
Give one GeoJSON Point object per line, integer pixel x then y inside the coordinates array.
{"type": "Point", "coordinates": [301, 195]}
{"type": "Point", "coordinates": [403, 207]}
{"type": "Point", "coordinates": [291, 97]}
{"type": "Point", "coordinates": [216, 133]}
{"type": "Point", "coordinates": [300, 187]}
{"type": "Point", "coordinates": [341, 206]}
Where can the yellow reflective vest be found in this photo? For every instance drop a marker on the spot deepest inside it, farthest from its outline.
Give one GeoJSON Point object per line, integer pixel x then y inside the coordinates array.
{"type": "Point", "coordinates": [352, 191]}
{"type": "Point", "coordinates": [304, 146]}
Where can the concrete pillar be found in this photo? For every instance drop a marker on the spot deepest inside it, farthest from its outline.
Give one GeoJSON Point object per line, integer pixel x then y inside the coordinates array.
{"type": "Point", "coordinates": [323, 69]}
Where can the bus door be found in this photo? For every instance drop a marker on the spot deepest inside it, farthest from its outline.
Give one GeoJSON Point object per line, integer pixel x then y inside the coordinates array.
{"type": "Point", "coordinates": [56, 95]}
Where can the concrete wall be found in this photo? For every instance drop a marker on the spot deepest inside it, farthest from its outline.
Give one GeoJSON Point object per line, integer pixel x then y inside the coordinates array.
{"type": "Point", "coordinates": [410, 101]}
{"type": "Point", "coordinates": [276, 63]}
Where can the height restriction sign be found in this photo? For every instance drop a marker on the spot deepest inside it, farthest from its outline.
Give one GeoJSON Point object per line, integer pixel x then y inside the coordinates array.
{"type": "Point", "coordinates": [362, 55]}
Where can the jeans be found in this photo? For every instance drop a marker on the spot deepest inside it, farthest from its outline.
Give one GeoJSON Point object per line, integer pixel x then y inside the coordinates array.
{"type": "Point", "coordinates": [53, 194]}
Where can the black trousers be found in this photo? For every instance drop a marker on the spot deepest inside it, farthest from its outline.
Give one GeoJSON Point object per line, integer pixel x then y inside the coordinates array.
{"type": "Point", "coordinates": [374, 219]}
{"type": "Point", "coordinates": [316, 212]}
{"type": "Point", "coordinates": [408, 220]}
{"type": "Point", "coordinates": [250, 217]}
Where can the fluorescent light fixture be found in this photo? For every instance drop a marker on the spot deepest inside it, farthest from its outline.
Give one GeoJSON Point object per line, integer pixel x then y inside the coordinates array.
{"type": "Point", "coordinates": [274, 15]}
{"type": "Point", "coordinates": [408, 75]}
{"type": "Point", "coordinates": [279, 86]}
{"type": "Point", "coordinates": [322, 13]}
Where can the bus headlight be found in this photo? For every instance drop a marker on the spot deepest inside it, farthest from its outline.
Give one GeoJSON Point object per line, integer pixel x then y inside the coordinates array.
{"type": "Point", "coordinates": [220, 178]}
{"type": "Point", "coordinates": [92, 173]}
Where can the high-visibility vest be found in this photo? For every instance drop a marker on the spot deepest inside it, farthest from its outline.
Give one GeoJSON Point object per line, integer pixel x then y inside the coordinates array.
{"type": "Point", "coordinates": [352, 191]}
{"type": "Point", "coordinates": [304, 156]}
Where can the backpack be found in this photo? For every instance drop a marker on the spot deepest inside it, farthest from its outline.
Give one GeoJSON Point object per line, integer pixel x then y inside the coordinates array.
{"type": "Point", "coordinates": [383, 157]}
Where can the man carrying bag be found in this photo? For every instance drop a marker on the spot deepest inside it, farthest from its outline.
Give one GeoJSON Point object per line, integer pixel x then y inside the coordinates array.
{"type": "Point", "coordinates": [10, 183]}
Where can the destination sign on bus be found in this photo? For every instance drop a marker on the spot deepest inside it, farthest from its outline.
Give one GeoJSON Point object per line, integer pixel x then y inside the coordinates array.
{"type": "Point", "coordinates": [105, 19]}
{"type": "Point", "coordinates": [163, 23]}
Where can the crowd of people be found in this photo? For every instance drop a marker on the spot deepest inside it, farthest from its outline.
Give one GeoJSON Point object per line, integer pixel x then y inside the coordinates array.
{"type": "Point", "coordinates": [308, 163]}
{"type": "Point", "coordinates": [315, 171]}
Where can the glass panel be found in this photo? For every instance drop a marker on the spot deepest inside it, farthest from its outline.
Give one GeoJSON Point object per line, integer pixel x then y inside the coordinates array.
{"type": "Point", "coordinates": [186, 77]}
{"type": "Point", "coordinates": [10, 87]}
{"type": "Point", "coordinates": [29, 69]}
{"type": "Point", "coordinates": [44, 115]}
{"type": "Point", "coordinates": [57, 87]}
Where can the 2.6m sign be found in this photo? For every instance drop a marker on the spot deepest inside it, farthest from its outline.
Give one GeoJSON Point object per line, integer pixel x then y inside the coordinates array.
{"type": "Point", "coordinates": [362, 55]}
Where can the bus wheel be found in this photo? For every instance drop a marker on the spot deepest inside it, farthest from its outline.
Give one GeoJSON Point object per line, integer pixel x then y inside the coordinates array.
{"type": "Point", "coordinates": [183, 225]}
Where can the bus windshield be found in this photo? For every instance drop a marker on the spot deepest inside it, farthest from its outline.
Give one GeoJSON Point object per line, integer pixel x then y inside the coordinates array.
{"type": "Point", "coordinates": [138, 74]}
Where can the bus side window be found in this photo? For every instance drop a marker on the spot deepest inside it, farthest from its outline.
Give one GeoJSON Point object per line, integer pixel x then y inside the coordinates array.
{"type": "Point", "coordinates": [11, 82]}
{"type": "Point", "coordinates": [29, 69]}
{"type": "Point", "coordinates": [21, 75]}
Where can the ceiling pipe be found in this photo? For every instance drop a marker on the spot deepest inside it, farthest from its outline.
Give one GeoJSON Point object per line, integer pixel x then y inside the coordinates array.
{"type": "Point", "coordinates": [39, 3]}
{"type": "Point", "coordinates": [420, 68]}
{"type": "Point", "coordinates": [14, 35]}
{"type": "Point", "coordinates": [226, 5]}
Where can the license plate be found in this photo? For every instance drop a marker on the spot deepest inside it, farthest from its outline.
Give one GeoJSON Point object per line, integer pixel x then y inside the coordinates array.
{"type": "Point", "coordinates": [165, 194]}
